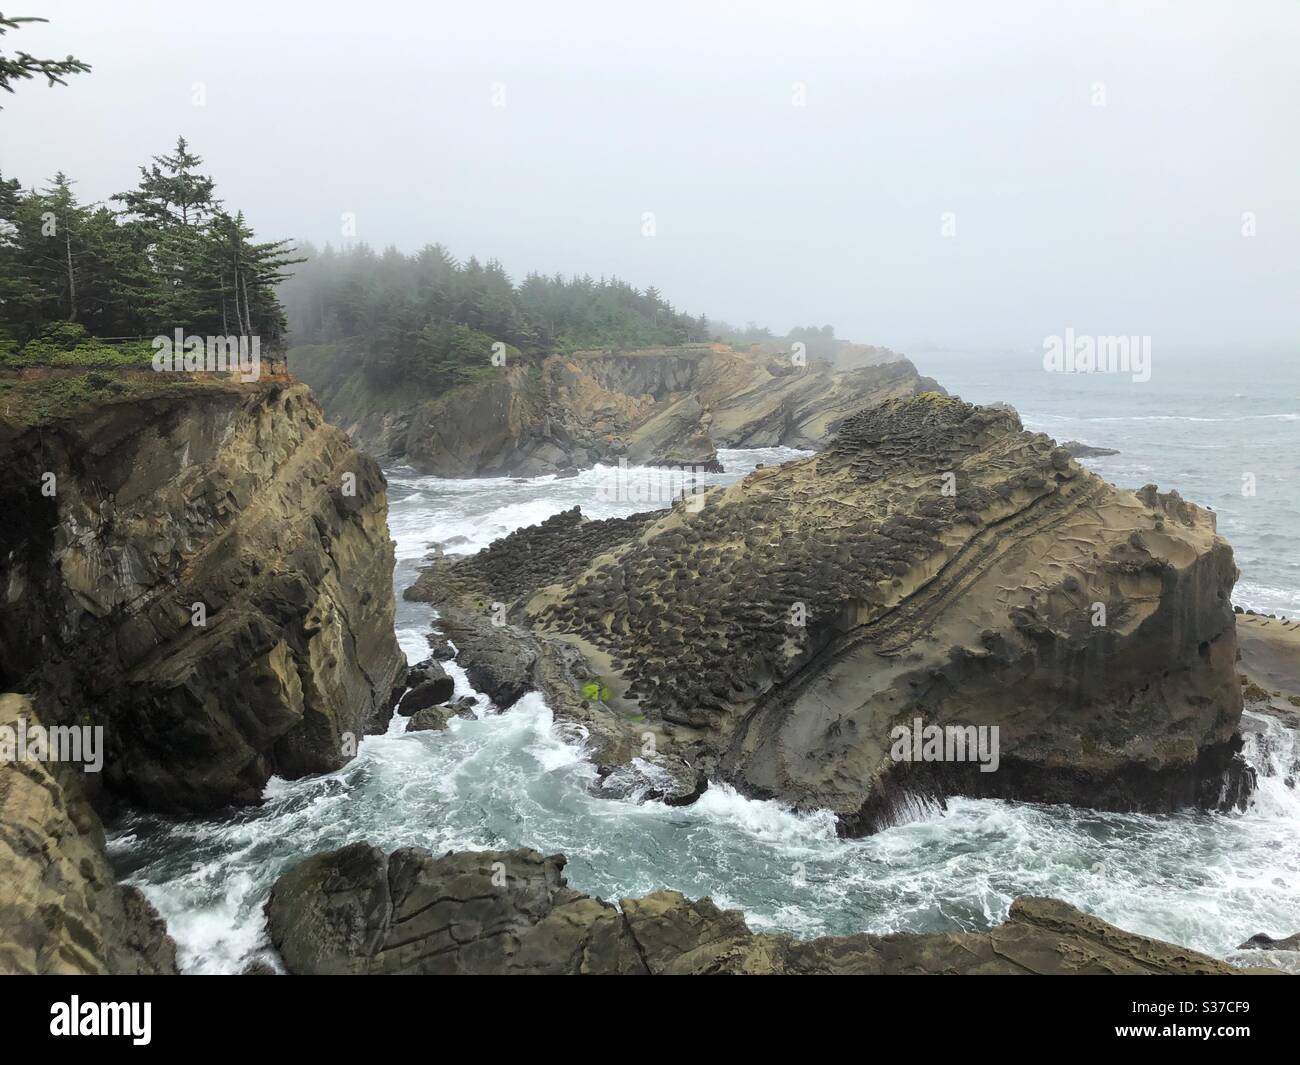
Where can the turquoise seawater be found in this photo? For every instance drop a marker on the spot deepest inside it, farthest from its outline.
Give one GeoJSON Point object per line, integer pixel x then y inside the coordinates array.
{"type": "Point", "coordinates": [517, 779]}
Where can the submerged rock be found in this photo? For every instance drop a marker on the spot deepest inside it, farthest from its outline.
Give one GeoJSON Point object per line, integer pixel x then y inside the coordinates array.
{"type": "Point", "coordinates": [1077, 450]}
{"type": "Point", "coordinates": [357, 910]}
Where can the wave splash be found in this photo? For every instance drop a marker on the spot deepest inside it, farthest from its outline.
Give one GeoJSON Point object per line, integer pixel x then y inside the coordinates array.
{"type": "Point", "coordinates": [500, 780]}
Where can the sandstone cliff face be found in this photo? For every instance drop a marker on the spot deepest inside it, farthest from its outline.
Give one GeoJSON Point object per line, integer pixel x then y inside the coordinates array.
{"type": "Point", "coordinates": [662, 406]}
{"type": "Point", "coordinates": [358, 911]}
{"type": "Point", "coordinates": [935, 562]}
{"type": "Point", "coordinates": [238, 508]}
{"type": "Point", "coordinates": [61, 910]}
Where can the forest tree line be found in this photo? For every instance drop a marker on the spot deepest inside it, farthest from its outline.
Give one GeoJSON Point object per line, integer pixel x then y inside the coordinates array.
{"type": "Point", "coordinates": [164, 255]}
{"type": "Point", "coordinates": [429, 319]}
{"type": "Point", "coordinates": [168, 254]}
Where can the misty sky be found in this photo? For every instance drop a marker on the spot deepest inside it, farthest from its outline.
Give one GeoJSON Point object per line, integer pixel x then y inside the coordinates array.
{"type": "Point", "coordinates": [1122, 218]}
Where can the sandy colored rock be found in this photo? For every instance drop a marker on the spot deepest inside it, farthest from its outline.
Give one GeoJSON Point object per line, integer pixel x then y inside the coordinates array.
{"type": "Point", "coordinates": [654, 407]}
{"type": "Point", "coordinates": [1270, 664]}
{"type": "Point", "coordinates": [932, 559]}
{"type": "Point", "coordinates": [241, 510]}
{"type": "Point", "coordinates": [61, 910]}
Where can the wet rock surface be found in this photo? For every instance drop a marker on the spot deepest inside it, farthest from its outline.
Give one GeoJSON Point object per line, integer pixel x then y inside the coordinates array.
{"type": "Point", "coordinates": [1263, 941]}
{"type": "Point", "coordinates": [430, 719]}
{"type": "Point", "coordinates": [357, 910]}
{"type": "Point", "coordinates": [429, 685]}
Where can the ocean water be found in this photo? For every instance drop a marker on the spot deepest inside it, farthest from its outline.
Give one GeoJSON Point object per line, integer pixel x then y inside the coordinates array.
{"type": "Point", "coordinates": [1208, 881]}
{"type": "Point", "coordinates": [1224, 430]}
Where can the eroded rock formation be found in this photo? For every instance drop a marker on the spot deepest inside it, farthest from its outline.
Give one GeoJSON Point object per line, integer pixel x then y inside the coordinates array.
{"type": "Point", "coordinates": [208, 575]}
{"type": "Point", "coordinates": [936, 563]}
{"type": "Point", "coordinates": [657, 407]}
{"type": "Point", "coordinates": [61, 909]}
{"type": "Point", "coordinates": [357, 910]}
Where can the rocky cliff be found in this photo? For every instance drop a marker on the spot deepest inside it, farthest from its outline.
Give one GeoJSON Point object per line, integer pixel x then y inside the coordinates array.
{"type": "Point", "coordinates": [357, 911]}
{"type": "Point", "coordinates": [662, 406]}
{"type": "Point", "coordinates": [205, 573]}
{"type": "Point", "coordinates": [934, 567]}
{"type": "Point", "coordinates": [61, 910]}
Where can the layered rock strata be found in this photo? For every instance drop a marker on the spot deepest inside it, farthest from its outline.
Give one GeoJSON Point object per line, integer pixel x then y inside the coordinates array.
{"type": "Point", "coordinates": [207, 575]}
{"type": "Point", "coordinates": [655, 407]}
{"type": "Point", "coordinates": [934, 564]}
{"type": "Point", "coordinates": [61, 909]}
{"type": "Point", "coordinates": [359, 911]}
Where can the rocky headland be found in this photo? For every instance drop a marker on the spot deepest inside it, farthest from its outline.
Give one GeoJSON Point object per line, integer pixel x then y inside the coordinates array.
{"type": "Point", "coordinates": [669, 406]}
{"type": "Point", "coordinates": [204, 573]}
{"type": "Point", "coordinates": [208, 575]}
{"type": "Point", "coordinates": [359, 911]}
{"type": "Point", "coordinates": [932, 559]}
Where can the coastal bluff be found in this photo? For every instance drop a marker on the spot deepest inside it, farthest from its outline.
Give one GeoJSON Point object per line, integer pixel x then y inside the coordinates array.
{"type": "Point", "coordinates": [669, 406]}
{"type": "Point", "coordinates": [935, 562]}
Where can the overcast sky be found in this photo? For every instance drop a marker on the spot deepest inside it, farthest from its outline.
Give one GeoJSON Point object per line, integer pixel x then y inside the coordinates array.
{"type": "Point", "coordinates": [798, 158]}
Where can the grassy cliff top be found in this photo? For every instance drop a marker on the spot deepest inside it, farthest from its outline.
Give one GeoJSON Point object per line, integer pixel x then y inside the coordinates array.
{"type": "Point", "coordinates": [27, 401]}
{"type": "Point", "coordinates": [65, 373]}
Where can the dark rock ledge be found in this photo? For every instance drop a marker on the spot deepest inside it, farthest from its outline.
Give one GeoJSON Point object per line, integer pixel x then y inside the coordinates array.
{"type": "Point", "coordinates": [357, 910]}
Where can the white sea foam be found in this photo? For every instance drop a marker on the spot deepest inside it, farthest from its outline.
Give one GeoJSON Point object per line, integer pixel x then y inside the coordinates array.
{"type": "Point", "coordinates": [516, 779]}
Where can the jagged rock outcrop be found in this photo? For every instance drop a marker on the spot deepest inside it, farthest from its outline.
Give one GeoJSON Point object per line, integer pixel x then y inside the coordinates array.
{"type": "Point", "coordinates": [430, 719]}
{"type": "Point", "coordinates": [429, 685]}
{"type": "Point", "coordinates": [655, 407]}
{"type": "Point", "coordinates": [936, 563]}
{"type": "Point", "coordinates": [357, 910]}
{"type": "Point", "coordinates": [1077, 450]}
{"type": "Point", "coordinates": [1270, 662]}
{"type": "Point", "coordinates": [207, 573]}
{"type": "Point", "coordinates": [61, 909]}
{"type": "Point", "coordinates": [1263, 941]}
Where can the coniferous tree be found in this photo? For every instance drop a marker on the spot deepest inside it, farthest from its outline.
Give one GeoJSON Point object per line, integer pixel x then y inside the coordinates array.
{"type": "Point", "coordinates": [429, 320]}
{"type": "Point", "coordinates": [171, 258]}
{"type": "Point", "coordinates": [22, 65]}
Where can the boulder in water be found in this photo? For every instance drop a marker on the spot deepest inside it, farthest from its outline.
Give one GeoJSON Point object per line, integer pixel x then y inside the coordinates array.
{"type": "Point", "coordinates": [1263, 941]}
{"type": "Point", "coordinates": [430, 685]}
{"type": "Point", "coordinates": [430, 719]}
{"type": "Point", "coordinates": [1077, 450]}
